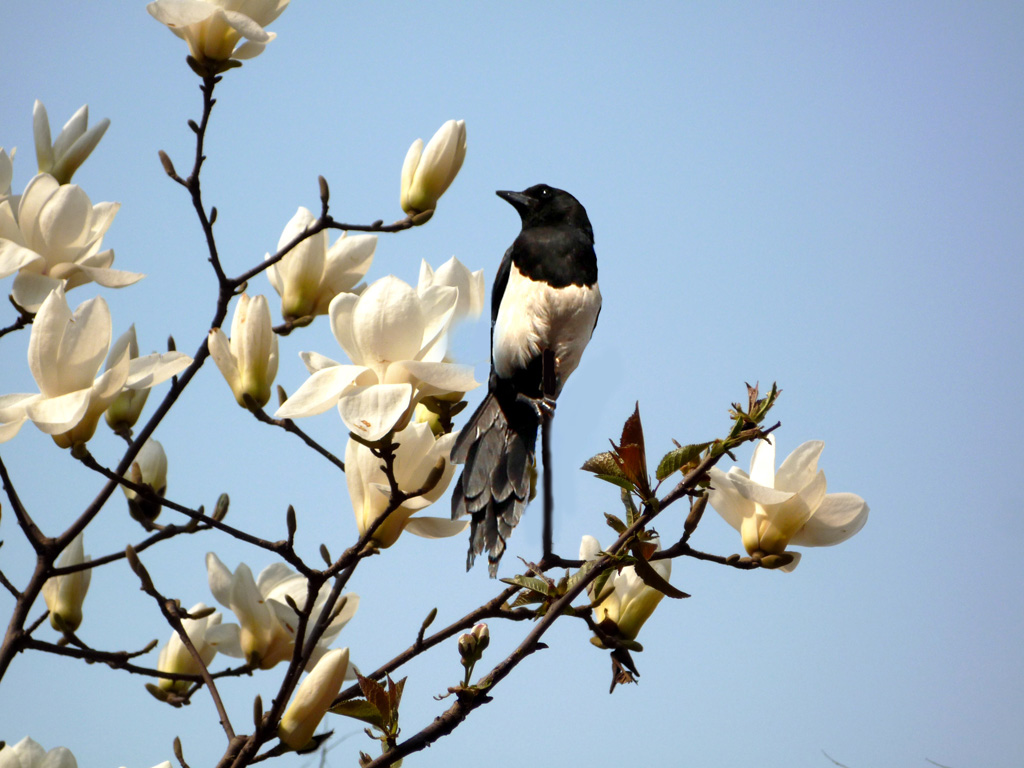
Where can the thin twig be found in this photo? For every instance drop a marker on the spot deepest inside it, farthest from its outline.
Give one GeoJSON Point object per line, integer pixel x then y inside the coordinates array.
{"type": "Point", "coordinates": [491, 609]}
{"type": "Point", "coordinates": [167, 533]}
{"type": "Point", "coordinates": [28, 526]}
{"type": "Point", "coordinates": [23, 321]}
{"type": "Point", "coordinates": [9, 586]}
{"type": "Point", "coordinates": [289, 426]}
{"type": "Point", "coordinates": [169, 609]}
{"type": "Point", "coordinates": [118, 660]}
{"type": "Point", "coordinates": [277, 547]}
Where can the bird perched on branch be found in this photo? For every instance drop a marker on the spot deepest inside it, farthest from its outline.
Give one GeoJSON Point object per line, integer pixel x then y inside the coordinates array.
{"type": "Point", "coordinates": [545, 297]}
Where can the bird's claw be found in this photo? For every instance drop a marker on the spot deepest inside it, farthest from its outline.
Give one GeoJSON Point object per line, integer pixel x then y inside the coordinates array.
{"type": "Point", "coordinates": [543, 406]}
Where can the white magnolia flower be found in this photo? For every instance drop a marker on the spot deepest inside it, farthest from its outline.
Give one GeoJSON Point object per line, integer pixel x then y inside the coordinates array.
{"type": "Point", "coordinates": [65, 352]}
{"type": "Point", "coordinates": [311, 275]}
{"type": "Point", "coordinates": [76, 141]}
{"type": "Point", "coordinates": [175, 657]}
{"type": "Point", "coordinates": [28, 754]}
{"type": "Point", "coordinates": [265, 634]}
{"type": "Point", "coordinates": [454, 273]}
{"type": "Point", "coordinates": [313, 698]}
{"type": "Point", "coordinates": [426, 174]}
{"type": "Point", "coordinates": [249, 360]}
{"type": "Point", "coordinates": [214, 28]}
{"type": "Point", "coordinates": [417, 455]}
{"type": "Point", "coordinates": [65, 594]}
{"type": "Point", "coordinates": [397, 339]}
{"type": "Point", "coordinates": [626, 602]}
{"type": "Point", "coordinates": [53, 238]}
{"type": "Point", "coordinates": [772, 510]}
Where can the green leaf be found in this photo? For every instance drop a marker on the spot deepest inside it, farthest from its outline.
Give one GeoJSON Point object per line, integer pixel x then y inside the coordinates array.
{"type": "Point", "coordinates": [528, 582]}
{"type": "Point", "coordinates": [603, 464]}
{"type": "Point", "coordinates": [360, 709]}
{"type": "Point", "coordinates": [653, 579]}
{"type": "Point", "coordinates": [615, 523]}
{"type": "Point", "coordinates": [376, 695]}
{"type": "Point", "coordinates": [632, 513]}
{"type": "Point", "coordinates": [597, 585]}
{"type": "Point", "coordinates": [526, 598]}
{"type": "Point", "coordinates": [395, 692]}
{"type": "Point", "coordinates": [577, 575]}
{"type": "Point", "coordinates": [679, 457]}
{"type": "Point", "coordinates": [618, 480]}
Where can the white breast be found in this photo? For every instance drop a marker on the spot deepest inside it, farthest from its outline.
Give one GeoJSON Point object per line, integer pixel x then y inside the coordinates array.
{"type": "Point", "coordinates": [534, 316]}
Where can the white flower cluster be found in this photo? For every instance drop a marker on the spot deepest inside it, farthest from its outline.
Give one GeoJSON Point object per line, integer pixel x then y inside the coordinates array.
{"type": "Point", "coordinates": [51, 238]}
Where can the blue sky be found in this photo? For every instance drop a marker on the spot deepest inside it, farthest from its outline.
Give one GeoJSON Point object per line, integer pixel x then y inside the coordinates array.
{"type": "Point", "coordinates": [824, 195]}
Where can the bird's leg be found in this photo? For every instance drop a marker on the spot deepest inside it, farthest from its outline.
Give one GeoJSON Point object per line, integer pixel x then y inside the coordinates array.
{"type": "Point", "coordinates": [543, 406]}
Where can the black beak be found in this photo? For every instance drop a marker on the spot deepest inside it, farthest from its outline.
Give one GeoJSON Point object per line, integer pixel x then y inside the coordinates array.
{"type": "Point", "coordinates": [517, 200]}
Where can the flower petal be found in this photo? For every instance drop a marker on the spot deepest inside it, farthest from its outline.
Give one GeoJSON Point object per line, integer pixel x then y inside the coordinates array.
{"type": "Point", "coordinates": [181, 13]}
{"type": "Point", "coordinates": [111, 278]}
{"type": "Point", "coordinates": [388, 322]}
{"type": "Point", "coordinates": [314, 361]}
{"type": "Point", "coordinates": [219, 578]}
{"type": "Point", "coordinates": [435, 527]}
{"type": "Point", "coordinates": [371, 412]}
{"type": "Point", "coordinates": [727, 501]}
{"type": "Point", "coordinates": [279, 576]}
{"type": "Point", "coordinates": [11, 425]}
{"type": "Point", "coordinates": [838, 517]}
{"type": "Point", "coordinates": [319, 392]}
{"type": "Point", "coordinates": [150, 370]}
{"type": "Point", "coordinates": [83, 346]}
{"type": "Point", "coordinates": [220, 351]}
{"type": "Point", "coordinates": [54, 415]}
{"type": "Point", "coordinates": [435, 378]}
{"type": "Point", "coordinates": [70, 159]}
{"type": "Point", "coordinates": [800, 467]}
{"type": "Point", "coordinates": [341, 312]}
{"type": "Point", "coordinates": [227, 639]}
{"type": "Point", "coordinates": [14, 257]}
{"type": "Point", "coordinates": [31, 289]}
{"type": "Point", "coordinates": [791, 566]}
{"type": "Point", "coordinates": [762, 462]}
{"type": "Point", "coordinates": [43, 139]}
{"type": "Point", "coordinates": [439, 303]}
{"type": "Point", "coordinates": [760, 494]}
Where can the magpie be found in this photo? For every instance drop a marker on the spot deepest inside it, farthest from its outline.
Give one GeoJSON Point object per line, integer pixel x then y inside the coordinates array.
{"type": "Point", "coordinates": [545, 297]}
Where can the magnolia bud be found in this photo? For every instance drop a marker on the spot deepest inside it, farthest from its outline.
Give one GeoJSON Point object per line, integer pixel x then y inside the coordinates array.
{"type": "Point", "coordinates": [248, 361]}
{"type": "Point", "coordinates": [467, 648]}
{"type": "Point", "coordinates": [313, 698]}
{"type": "Point", "coordinates": [73, 145]}
{"type": "Point", "coordinates": [65, 594]}
{"type": "Point", "coordinates": [149, 469]}
{"type": "Point", "coordinates": [472, 645]}
{"type": "Point", "coordinates": [483, 637]}
{"type": "Point", "coordinates": [427, 173]}
{"type": "Point", "coordinates": [175, 657]}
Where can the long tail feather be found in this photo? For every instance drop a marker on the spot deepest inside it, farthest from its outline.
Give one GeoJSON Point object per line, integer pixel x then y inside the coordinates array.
{"type": "Point", "coordinates": [497, 448]}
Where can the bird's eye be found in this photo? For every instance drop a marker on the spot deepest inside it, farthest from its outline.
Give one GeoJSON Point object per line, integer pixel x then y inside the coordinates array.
{"type": "Point", "coordinates": [545, 191]}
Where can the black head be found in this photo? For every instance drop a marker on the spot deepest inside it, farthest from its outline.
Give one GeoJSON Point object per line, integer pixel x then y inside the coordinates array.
{"type": "Point", "coordinates": [544, 206]}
